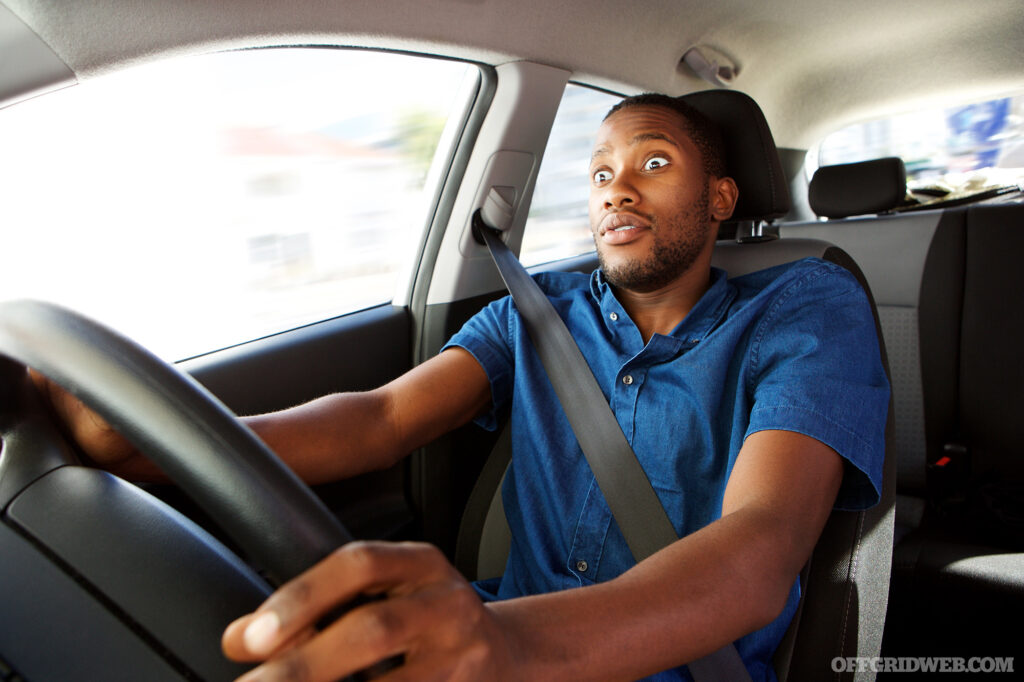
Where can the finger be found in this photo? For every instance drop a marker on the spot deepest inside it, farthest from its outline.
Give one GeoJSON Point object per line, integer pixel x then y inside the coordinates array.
{"type": "Point", "coordinates": [38, 379]}
{"type": "Point", "coordinates": [67, 406]}
{"type": "Point", "coordinates": [356, 568]}
{"type": "Point", "coordinates": [363, 637]}
{"type": "Point", "coordinates": [233, 646]}
{"type": "Point", "coordinates": [46, 387]}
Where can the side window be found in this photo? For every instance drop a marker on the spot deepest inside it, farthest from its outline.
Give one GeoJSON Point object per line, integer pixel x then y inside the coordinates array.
{"type": "Point", "coordinates": [202, 202]}
{"type": "Point", "coordinates": [557, 226]}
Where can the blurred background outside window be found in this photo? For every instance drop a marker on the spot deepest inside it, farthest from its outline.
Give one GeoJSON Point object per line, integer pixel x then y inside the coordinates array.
{"type": "Point", "coordinates": [558, 226]}
{"type": "Point", "coordinates": [200, 202]}
{"type": "Point", "coordinates": [973, 145]}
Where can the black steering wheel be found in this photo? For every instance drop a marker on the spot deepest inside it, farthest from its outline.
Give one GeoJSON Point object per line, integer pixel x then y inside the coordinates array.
{"type": "Point", "coordinates": [88, 541]}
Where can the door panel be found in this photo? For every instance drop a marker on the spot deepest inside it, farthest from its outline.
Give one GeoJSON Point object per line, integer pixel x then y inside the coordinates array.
{"type": "Point", "coordinates": [351, 353]}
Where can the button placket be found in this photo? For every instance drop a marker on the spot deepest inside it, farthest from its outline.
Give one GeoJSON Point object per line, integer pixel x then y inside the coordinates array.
{"type": "Point", "coordinates": [584, 557]}
{"type": "Point", "coordinates": [625, 394]}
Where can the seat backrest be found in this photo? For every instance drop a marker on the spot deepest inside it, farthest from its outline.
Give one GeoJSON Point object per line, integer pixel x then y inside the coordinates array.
{"type": "Point", "coordinates": [991, 372]}
{"type": "Point", "coordinates": [846, 582]}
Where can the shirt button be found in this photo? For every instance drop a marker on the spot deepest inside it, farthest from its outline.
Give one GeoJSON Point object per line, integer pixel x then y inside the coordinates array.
{"type": "Point", "coordinates": [581, 566]}
{"type": "Point", "coordinates": [613, 317]}
{"type": "Point", "coordinates": [628, 379]}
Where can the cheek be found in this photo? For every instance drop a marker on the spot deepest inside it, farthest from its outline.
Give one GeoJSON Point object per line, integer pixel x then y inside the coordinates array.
{"type": "Point", "coordinates": [594, 209]}
{"type": "Point", "coordinates": [686, 199]}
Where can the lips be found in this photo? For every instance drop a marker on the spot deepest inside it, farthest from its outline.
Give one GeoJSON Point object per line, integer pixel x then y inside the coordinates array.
{"type": "Point", "coordinates": [622, 228]}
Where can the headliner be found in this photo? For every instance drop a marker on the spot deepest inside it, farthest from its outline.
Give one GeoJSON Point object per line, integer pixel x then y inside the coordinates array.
{"type": "Point", "coordinates": [812, 66]}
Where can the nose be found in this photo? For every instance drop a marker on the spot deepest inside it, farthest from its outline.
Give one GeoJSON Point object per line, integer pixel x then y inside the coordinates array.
{"type": "Point", "coordinates": [621, 191]}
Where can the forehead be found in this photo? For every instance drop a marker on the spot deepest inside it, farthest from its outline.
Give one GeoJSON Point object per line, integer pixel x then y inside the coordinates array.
{"type": "Point", "coordinates": [633, 125]}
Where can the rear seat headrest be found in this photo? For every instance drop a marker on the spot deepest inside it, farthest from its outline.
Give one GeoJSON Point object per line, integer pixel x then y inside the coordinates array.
{"type": "Point", "coordinates": [751, 158]}
{"type": "Point", "coordinates": [858, 188]}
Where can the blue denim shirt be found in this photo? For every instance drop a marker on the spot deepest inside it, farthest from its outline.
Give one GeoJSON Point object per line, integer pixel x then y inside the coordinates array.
{"type": "Point", "coordinates": [792, 347]}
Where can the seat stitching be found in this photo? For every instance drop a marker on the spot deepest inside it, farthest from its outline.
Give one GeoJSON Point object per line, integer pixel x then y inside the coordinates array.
{"type": "Point", "coordinates": [852, 578]}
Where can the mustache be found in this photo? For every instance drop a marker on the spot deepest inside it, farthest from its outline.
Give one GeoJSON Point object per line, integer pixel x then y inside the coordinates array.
{"type": "Point", "coordinates": [642, 217]}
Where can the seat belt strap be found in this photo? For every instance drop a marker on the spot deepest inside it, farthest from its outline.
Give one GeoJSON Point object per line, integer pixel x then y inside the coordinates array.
{"type": "Point", "coordinates": [629, 493]}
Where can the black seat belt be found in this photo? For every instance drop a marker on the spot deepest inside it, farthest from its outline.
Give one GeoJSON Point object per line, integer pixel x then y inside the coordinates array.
{"type": "Point", "coordinates": [623, 482]}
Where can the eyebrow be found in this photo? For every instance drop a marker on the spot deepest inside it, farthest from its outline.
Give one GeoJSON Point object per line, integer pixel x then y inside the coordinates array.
{"type": "Point", "coordinates": [635, 140]}
{"type": "Point", "coordinates": [647, 137]}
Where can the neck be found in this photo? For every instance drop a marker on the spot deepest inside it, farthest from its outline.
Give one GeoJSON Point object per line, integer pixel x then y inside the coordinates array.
{"type": "Point", "coordinates": [661, 311]}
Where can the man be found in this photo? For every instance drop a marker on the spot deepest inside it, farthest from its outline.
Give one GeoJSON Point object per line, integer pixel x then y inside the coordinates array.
{"type": "Point", "coordinates": [754, 405]}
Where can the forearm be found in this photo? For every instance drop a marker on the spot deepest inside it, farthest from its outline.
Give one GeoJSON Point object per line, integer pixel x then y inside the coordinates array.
{"type": "Point", "coordinates": [682, 603]}
{"type": "Point", "coordinates": [345, 434]}
{"type": "Point", "coordinates": [333, 437]}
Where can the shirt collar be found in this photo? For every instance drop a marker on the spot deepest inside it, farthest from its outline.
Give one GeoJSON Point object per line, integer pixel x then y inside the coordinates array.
{"type": "Point", "coordinates": [698, 323]}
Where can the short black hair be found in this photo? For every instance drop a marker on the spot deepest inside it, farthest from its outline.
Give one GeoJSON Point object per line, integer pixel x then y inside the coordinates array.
{"type": "Point", "coordinates": [702, 130]}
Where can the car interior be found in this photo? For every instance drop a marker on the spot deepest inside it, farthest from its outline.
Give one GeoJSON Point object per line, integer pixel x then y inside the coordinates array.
{"type": "Point", "coordinates": [103, 579]}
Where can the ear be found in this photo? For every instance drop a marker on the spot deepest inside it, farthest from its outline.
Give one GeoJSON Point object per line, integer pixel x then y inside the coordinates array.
{"type": "Point", "coordinates": [722, 198]}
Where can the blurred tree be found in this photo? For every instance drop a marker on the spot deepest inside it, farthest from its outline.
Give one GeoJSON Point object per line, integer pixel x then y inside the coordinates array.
{"type": "Point", "coordinates": [419, 131]}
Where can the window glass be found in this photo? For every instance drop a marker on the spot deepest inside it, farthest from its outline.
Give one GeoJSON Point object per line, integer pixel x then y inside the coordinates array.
{"type": "Point", "coordinates": [557, 226]}
{"type": "Point", "coordinates": [201, 202]}
{"type": "Point", "coordinates": [972, 145]}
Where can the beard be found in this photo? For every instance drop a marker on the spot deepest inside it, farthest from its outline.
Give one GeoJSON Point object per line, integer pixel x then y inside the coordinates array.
{"type": "Point", "coordinates": [677, 244]}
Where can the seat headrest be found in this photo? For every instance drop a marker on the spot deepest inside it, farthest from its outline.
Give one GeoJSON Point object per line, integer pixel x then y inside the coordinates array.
{"type": "Point", "coordinates": [858, 188]}
{"type": "Point", "coordinates": [750, 154]}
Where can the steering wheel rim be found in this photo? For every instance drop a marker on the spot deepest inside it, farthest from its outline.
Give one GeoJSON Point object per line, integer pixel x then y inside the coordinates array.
{"type": "Point", "coordinates": [193, 437]}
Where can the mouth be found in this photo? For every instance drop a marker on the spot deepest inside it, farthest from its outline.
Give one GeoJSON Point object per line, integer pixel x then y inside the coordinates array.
{"type": "Point", "coordinates": [622, 228]}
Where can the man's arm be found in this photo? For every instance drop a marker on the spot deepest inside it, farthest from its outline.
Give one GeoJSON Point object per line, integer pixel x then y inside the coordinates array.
{"type": "Point", "coordinates": [685, 601]}
{"type": "Point", "coordinates": [345, 434]}
{"type": "Point", "coordinates": [333, 437]}
{"type": "Point", "coordinates": [709, 588]}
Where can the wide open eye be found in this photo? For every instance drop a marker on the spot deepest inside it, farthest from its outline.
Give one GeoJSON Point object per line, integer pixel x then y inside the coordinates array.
{"type": "Point", "coordinates": [602, 176]}
{"type": "Point", "coordinates": [655, 162]}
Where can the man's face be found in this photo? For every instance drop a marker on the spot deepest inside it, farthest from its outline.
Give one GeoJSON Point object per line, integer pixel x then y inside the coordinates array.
{"type": "Point", "coordinates": [649, 208]}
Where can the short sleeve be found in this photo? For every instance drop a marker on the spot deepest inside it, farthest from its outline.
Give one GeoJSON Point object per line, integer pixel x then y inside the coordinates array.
{"type": "Point", "coordinates": [817, 370]}
{"type": "Point", "coordinates": [486, 336]}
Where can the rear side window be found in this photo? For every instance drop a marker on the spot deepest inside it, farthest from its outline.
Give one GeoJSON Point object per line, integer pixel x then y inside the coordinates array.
{"type": "Point", "coordinates": [202, 202]}
{"type": "Point", "coordinates": [558, 226]}
{"type": "Point", "coordinates": [971, 145]}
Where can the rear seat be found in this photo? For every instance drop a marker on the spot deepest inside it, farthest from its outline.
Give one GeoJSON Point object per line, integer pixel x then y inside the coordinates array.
{"type": "Point", "coordinates": [947, 287]}
{"type": "Point", "coordinates": [914, 265]}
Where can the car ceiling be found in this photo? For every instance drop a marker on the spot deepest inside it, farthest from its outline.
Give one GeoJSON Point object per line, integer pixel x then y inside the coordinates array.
{"type": "Point", "coordinates": [812, 65]}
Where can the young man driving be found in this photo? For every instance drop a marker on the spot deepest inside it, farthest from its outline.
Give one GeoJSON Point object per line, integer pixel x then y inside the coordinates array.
{"type": "Point", "coordinates": [754, 404]}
